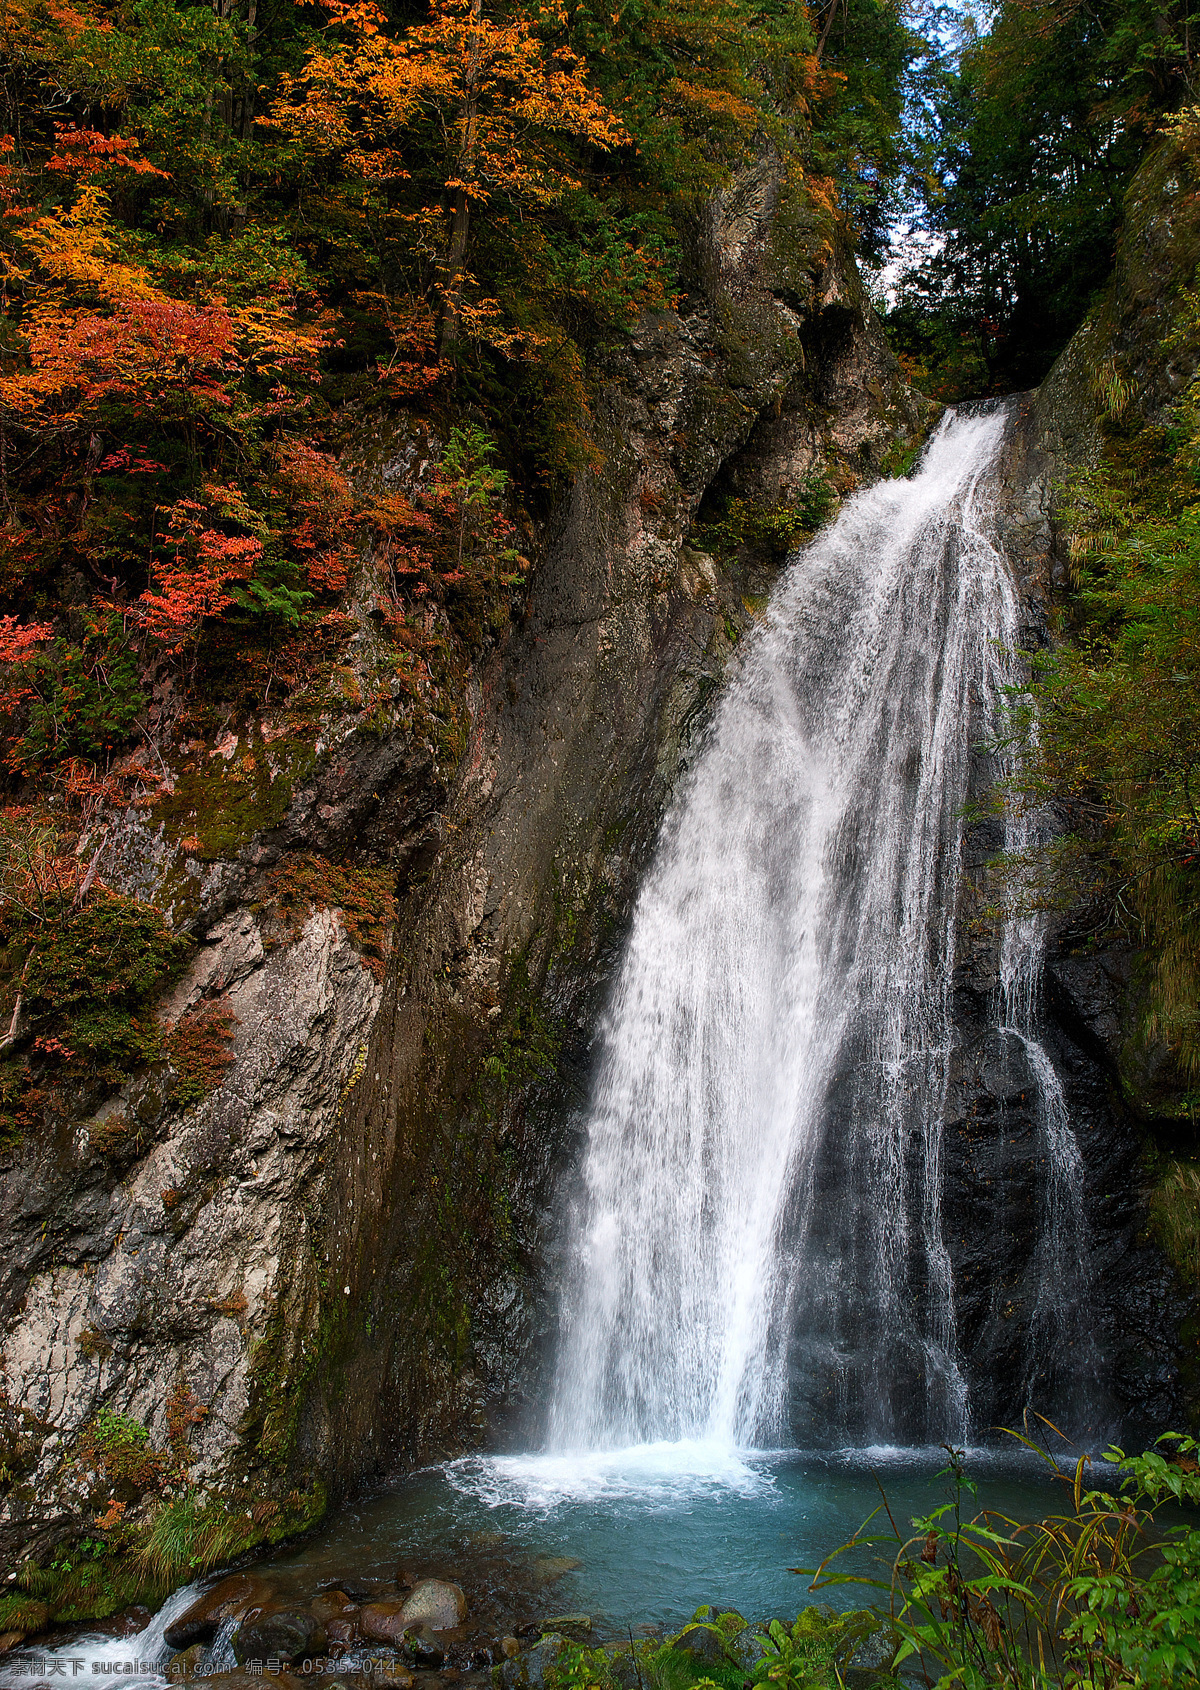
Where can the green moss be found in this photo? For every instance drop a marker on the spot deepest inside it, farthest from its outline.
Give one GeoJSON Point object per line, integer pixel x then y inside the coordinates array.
{"type": "Point", "coordinates": [526, 1049]}
{"type": "Point", "coordinates": [94, 1577]}
{"type": "Point", "coordinates": [899, 458]}
{"type": "Point", "coordinates": [86, 975]}
{"type": "Point", "coordinates": [24, 1614]}
{"type": "Point", "coordinates": [218, 806]}
{"type": "Point", "coordinates": [1175, 1219]}
{"type": "Point", "coordinates": [773, 529]}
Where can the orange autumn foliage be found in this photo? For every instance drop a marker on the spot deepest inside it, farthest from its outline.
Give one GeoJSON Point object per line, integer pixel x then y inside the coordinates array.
{"type": "Point", "coordinates": [499, 97]}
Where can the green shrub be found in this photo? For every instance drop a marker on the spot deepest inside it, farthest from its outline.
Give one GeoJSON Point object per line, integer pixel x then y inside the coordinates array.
{"type": "Point", "coordinates": [1101, 1595]}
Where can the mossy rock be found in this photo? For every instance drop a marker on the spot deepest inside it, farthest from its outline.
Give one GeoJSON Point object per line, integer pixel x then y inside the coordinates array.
{"type": "Point", "coordinates": [219, 805]}
{"type": "Point", "coordinates": [24, 1614]}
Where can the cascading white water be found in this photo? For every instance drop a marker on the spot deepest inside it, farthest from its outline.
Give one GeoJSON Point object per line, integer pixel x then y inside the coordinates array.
{"type": "Point", "coordinates": [136, 1663]}
{"type": "Point", "coordinates": [757, 1241]}
{"type": "Point", "coordinates": [1060, 1358]}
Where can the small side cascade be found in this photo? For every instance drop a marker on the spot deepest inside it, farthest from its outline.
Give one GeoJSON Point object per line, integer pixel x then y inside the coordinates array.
{"type": "Point", "coordinates": [1061, 1359]}
{"type": "Point", "coordinates": [137, 1662]}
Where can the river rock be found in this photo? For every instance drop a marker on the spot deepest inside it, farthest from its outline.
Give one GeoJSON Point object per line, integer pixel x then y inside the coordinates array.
{"type": "Point", "coordinates": [233, 1598]}
{"type": "Point", "coordinates": [625, 1671]}
{"type": "Point", "coordinates": [527, 1671]}
{"type": "Point", "coordinates": [509, 1648]}
{"type": "Point", "coordinates": [283, 1634]}
{"type": "Point", "coordinates": [239, 1679]}
{"type": "Point", "coordinates": [422, 1644]}
{"type": "Point", "coordinates": [436, 1603]}
{"type": "Point", "coordinates": [185, 1663]}
{"type": "Point", "coordinates": [383, 1622]}
{"type": "Point", "coordinates": [702, 1642]}
{"type": "Point", "coordinates": [130, 1622]}
{"type": "Point", "coordinates": [351, 1589]}
{"type": "Point", "coordinates": [344, 1629]}
{"type": "Point", "coordinates": [330, 1604]}
{"type": "Point", "coordinates": [745, 1649]}
{"type": "Point", "coordinates": [569, 1622]}
{"type": "Point", "coordinates": [548, 1568]}
{"type": "Point", "coordinates": [876, 1650]}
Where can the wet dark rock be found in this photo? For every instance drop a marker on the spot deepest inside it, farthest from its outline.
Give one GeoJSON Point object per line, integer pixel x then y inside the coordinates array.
{"type": "Point", "coordinates": [233, 1598]}
{"type": "Point", "coordinates": [876, 1650]}
{"type": "Point", "coordinates": [569, 1623]}
{"type": "Point", "coordinates": [130, 1621]}
{"type": "Point", "coordinates": [238, 1680]}
{"type": "Point", "coordinates": [702, 1642]}
{"type": "Point", "coordinates": [527, 1671]}
{"type": "Point", "coordinates": [343, 1630]}
{"type": "Point", "coordinates": [626, 1672]}
{"type": "Point", "coordinates": [383, 1622]}
{"type": "Point", "coordinates": [745, 1648]}
{"type": "Point", "coordinates": [184, 1664]}
{"type": "Point", "coordinates": [350, 1588]}
{"type": "Point", "coordinates": [436, 1603]}
{"type": "Point", "coordinates": [331, 1604]}
{"type": "Point", "coordinates": [285, 1635]}
{"type": "Point", "coordinates": [547, 1569]}
{"type": "Point", "coordinates": [424, 1647]}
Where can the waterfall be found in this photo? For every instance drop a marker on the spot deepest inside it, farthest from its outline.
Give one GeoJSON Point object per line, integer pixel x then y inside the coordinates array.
{"type": "Point", "coordinates": [1061, 1361]}
{"type": "Point", "coordinates": [756, 1248]}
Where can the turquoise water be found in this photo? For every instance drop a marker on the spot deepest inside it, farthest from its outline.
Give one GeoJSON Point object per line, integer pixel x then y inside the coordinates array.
{"type": "Point", "coordinates": [658, 1529]}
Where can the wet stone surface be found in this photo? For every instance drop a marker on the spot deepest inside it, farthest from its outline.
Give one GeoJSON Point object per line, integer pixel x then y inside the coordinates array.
{"type": "Point", "coordinates": [445, 1619]}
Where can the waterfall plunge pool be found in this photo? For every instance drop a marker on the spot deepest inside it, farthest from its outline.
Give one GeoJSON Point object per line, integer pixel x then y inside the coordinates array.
{"type": "Point", "coordinates": [656, 1530]}
{"type": "Point", "coordinates": [660, 1528]}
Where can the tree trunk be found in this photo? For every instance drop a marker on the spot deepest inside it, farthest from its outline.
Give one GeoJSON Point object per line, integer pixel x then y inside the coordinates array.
{"type": "Point", "coordinates": [460, 214]}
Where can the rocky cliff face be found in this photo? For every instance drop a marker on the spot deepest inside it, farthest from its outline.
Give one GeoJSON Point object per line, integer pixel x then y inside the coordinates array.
{"type": "Point", "coordinates": [1140, 1314]}
{"type": "Point", "coordinates": [335, 1260]}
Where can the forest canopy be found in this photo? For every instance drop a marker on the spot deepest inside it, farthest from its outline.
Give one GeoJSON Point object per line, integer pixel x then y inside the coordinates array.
{"type": "Point", "coordinates": [224, 224]}
{"type": "Point", "coordinates": [1022, 140]}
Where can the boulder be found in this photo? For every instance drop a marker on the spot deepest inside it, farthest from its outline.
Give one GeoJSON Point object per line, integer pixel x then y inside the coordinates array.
{"type": "Point", "coordinates": [130, 1622]}
{"type": "Point", "coordinates": [184, 1665]}
{"type": "Point", "coordinates": [509, 1648]}
{"type": "Point", "coordinates": [703, 1643]}
{"type": "Point", "coordinates": [422, 1644]}
{"type": "Point", "coordinates": [569, 1623]}
{"type": "Point", "coordinates": [281, 1634]}
{"type": "Point", "coordinates": [527, 1671]}
{"type": "Point", "coordinates": [625, 1671]}
{"type": "Point", "coordinates": [233, 1598]}
{"type": "Point", "coordinates": [330, 1604]}
{"type": "Point", "coordinates": [548, 1568]}
{"type": "Point", "coordinates": [875, 1650]}
{"type": "Point", "coordinates": [382, 1622]}
{"type": "Point", "coordinates": [237, 1680]}
{"type": "Point", "coordinates": [745, 1649]}
{"type": "Point", "coordinates": [437, 1604]}
{"type": "Point", "coordinates": [351, 1589]}
{"type": "Point", "coordinates": [345, 1629]}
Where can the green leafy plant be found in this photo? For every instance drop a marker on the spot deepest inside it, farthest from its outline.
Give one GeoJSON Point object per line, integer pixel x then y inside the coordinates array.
{"type": "Point", "coordinates": [1102, 1595]}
